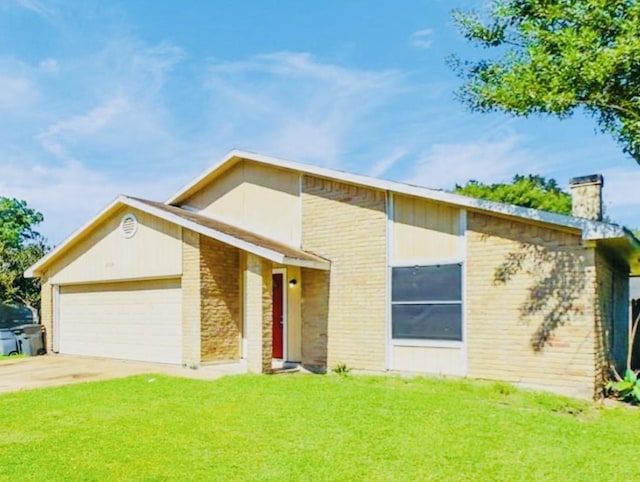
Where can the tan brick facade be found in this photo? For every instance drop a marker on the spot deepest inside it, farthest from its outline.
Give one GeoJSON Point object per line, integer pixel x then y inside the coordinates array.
{"type": "Point", "coordinates": [258, 313]}
{"type": "Point", "coordinates": [46, 311]}
{"type": "Point", "coordinates": [347, 225]}
{"type": "Point", "coordinates": [315, 317]}
{"type": "Point", "coordinates": [219, 301]}
{"type": "Point", "coordinates": [530, 305]}
{"type": "Point", "coordinates": [267, 315]}
{"type": "Point", "coordinates": [190, 298]}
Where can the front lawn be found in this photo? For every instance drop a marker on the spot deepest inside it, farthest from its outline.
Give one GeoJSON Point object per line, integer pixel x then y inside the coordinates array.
{"type": "Point", "coordinates": [296, 427]}
{"type": "Point", "coordinates": [10, 357]}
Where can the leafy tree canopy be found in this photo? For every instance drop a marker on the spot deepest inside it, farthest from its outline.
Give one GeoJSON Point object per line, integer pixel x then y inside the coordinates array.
{"type": "Point", "coordinates": [20, 246]}
{"type": "Point", "coordinates": [17, 223]}
{"type": "Point", "coordinates": [530, 191]}
{"type": "Point", "coordinates": [557, 56]}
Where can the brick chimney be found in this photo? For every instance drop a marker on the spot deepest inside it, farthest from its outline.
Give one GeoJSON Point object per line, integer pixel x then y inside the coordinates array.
{"type": "Point", "coordinates": [586, 197]}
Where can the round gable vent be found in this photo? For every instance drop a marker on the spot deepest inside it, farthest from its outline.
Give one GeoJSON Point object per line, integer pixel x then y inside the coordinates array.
{"type": "Point", "coordinates": [128, 225]}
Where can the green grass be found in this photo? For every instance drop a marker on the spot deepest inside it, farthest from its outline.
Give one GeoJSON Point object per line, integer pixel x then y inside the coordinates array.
{"type": "Point", "coordinates": [12, 357]}
{"type": "Point", "coordinates": [311, 428]}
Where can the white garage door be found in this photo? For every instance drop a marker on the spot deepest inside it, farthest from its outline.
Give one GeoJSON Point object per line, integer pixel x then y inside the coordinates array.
{"type": "Point", "coordinates": [132, 321]}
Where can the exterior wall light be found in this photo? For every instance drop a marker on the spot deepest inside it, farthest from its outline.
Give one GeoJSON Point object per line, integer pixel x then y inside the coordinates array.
{"type": "Point", "coordinates": [293, 282]}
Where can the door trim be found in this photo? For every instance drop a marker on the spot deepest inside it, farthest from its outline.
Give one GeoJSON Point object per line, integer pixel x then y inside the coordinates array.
{"type": "Point", "coordinates": [285, 309]}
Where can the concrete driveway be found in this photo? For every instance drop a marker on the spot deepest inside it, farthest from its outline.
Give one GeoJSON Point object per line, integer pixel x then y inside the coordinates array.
{"type": "Point", "coordinates": [51, 370]}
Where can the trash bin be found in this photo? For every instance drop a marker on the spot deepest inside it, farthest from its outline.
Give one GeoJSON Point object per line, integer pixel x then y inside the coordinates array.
{"type": "Point", "coordinates": [35, 333]}
{"type": "Point", "coordinates": [8, 343]}
{"type": "Point", "coordinates": [30, 339]}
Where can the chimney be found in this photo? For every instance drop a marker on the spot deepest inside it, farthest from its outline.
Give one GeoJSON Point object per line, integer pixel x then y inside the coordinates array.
{"type": "Point", "coordinates": [586, 197]}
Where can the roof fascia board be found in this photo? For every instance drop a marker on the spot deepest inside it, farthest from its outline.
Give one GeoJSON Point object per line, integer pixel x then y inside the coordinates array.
{"type": "Point", "coordinates": [121, 200]}
{"type": "Point", "coordinates": [590, 229]}
{"type": "Point", "coordinates": [272, 255]}
{"type": "Point", "coordinates": [303, 263]}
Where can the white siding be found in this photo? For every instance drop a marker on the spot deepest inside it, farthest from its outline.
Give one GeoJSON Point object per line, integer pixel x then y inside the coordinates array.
{"type": "Point", "coordinates": [424, 230]}
{"type": "Point", "coordinates": [422, 359]}
{"type": "Point", "coordinates": [259, 198]}
{"type": "Point", "coordinates": [106, 255]}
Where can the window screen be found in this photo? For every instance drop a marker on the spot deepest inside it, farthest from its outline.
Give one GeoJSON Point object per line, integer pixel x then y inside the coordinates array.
{"type": "Point", "coordinates": [427, 302]}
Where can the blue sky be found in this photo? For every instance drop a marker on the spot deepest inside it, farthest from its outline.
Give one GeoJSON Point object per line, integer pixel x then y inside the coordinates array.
{"type": "Point", "coordinates": [138, 97]}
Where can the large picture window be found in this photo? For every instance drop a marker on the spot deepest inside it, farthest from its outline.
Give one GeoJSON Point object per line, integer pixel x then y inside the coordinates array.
{"type": "Point", "coordinates": [426, 302]}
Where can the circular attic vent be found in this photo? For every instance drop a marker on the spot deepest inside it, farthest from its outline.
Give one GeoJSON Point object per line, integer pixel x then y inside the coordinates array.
{"type": "Point", "coordinates": [128, 225]}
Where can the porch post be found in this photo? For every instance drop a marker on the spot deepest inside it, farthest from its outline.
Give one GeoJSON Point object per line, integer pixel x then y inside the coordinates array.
{"type": "Point", "coordinates": [257, 311]}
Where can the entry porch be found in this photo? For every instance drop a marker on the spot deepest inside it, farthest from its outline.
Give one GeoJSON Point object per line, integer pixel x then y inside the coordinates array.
{"type": "Point", "coordinates": [240, 306]}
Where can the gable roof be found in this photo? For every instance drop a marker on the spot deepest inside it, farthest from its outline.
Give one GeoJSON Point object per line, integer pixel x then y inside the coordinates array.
{"type": "Point", "coordinates": [233, 235]}
{"type": "Point", "coordinates": [224, 232]}
{"type": "Point", "coordinates": [591, 230]}
{"type": "Point", "coordinates": [278, 252]}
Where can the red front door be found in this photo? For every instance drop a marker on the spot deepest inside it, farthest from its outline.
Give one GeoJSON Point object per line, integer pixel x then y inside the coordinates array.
{"type": "Point", "coordinates": [278, 319]}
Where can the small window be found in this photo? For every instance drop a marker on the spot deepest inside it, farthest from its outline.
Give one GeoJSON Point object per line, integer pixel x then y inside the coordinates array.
{"type": "Point", "coordinates": [128, 225]}
{"type": "Point", "coordinates": [426, 302]}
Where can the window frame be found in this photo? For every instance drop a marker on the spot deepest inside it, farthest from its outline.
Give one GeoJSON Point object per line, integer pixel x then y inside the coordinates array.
{"type": "Point", "coordinates": [429, 342]}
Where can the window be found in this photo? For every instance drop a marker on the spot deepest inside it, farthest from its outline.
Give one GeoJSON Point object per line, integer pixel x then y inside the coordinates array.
{"type": "Point", "coordinates": [426, 302]}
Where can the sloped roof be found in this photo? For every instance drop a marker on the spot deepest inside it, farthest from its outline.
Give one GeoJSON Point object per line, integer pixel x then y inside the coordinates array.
{"type": "Point", "coordinates": [221, 231]}
{"type": "Point", "coordinates": [235, 232]}
{"type": "Point", "coordinates": [591, 230]}
{"type": "Point", "coordinates": [596, 231]}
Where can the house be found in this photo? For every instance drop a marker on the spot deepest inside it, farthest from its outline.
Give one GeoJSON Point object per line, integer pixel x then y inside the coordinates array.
{"type": "Point", "coordinates": [261, 258]}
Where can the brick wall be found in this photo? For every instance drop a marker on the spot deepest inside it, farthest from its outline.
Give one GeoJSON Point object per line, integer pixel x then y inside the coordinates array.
{"type": "Point", "coordinates": [46, 310]}
{"type": "Point", "coordinates": [220, 301]}
{"type": "Point", "coordinates": [190, 298]}
{"type": "Point", "coordinates": [315, 312]}
{"type": "Point", "coordinates": [258, 313]}
{"type": "Point", "coordinates": [267, 315]}
{"type": "Point", "coordinates": [347, 225]}
{"type": "Point", "coordinates": [530, 305]}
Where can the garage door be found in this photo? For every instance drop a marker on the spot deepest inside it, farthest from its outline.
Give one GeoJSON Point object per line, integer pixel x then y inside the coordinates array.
{"type": "Point", "coordinates": [132, 321]}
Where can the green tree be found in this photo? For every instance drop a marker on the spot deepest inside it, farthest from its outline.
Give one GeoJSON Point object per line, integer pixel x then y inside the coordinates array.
{"type": "Point", "coordinates": [20, 246]}
{"type": "Point", "coordinates": [556, 57]}
{"type": "Point", "coordinates": [530, 191]}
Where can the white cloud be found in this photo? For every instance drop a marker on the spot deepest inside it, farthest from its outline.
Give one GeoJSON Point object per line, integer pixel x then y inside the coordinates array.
{"type": "Point", "coordinates": [621, 195]}
{"type": "Point", "coordinates": [50, 66]}
{"type": "Point", "coordinates": [118, 110]}
{"type": "Point", "coordinates": [380, 167]}
{"type": "Point", "coordinates": [487, 160]}
{"type": "Point", "coordinates": [67, 158]}
{"type": "Point", "coordinates": [37, 7]}
{"type": "Point", "coordinates": [286, 104]}
{"type": "Point", "coordinates": [69, 195]}
{"type": "Point", "coordinates": [422, 39]}
{"type": "Point", "coordinates": [57, 135]}
{"type": "Point", "coordinates": [292, 105]}
{"type": "Point", "coordinates": [16, 92]}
